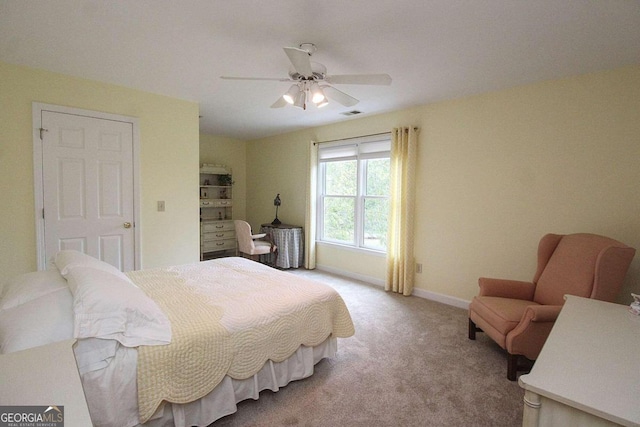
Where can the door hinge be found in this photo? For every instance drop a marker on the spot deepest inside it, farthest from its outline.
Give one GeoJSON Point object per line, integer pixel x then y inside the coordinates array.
{"type": "Point", "coordinates": [42, 213]}
{"type": "Point", "coordinates": [42, 130]}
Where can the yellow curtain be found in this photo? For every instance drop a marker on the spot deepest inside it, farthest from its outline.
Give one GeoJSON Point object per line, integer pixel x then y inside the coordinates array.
{"type": "Point", "coordinates": [310, 214]}
{"type": "Point", "coordinates": [400, 261]}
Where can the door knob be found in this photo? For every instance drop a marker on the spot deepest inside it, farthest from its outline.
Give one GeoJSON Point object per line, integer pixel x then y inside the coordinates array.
{"type": "Point", "coordinates": [127, 225]}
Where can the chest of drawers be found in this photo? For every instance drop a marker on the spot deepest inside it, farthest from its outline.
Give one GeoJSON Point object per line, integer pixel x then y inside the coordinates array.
{"type": "Point", "coordinates": [217, 236]}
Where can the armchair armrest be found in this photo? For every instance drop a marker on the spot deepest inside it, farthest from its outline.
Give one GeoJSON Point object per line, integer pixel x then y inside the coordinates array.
{"type": "Point", "coordinates": [504, 288]}
{"type": "Point", "coordinates": [541, 313]}
{"type": "Point", "coordinates": [267, 238]}
{"type": "Point", "coordinates": [531, 333]}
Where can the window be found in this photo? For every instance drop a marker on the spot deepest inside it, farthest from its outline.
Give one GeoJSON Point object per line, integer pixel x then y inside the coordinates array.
{"type": "Point", "coordinates": [353, 192]}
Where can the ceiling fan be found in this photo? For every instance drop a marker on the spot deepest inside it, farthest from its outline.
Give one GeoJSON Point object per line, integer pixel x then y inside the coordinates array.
{"type": "Point", "coordinates": [312, 85]}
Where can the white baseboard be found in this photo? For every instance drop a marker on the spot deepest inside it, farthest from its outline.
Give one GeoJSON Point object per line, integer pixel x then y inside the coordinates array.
{"type": "Point", "coordinates": [444, 299]}
{"type": "Point", "coordinates": [420, 293]}
{"type": "Point", "coordinates": [351, 275]}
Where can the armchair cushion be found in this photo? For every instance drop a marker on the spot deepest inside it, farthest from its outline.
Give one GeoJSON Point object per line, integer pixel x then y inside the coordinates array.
{"type": "Point", "coordinates": [498, 316]}
{"type": "Point", "coordinates": [262, 247]}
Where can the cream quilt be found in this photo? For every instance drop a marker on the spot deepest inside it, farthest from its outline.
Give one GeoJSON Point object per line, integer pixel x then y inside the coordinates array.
{"type": "Point", "coordinates": [228, 317]}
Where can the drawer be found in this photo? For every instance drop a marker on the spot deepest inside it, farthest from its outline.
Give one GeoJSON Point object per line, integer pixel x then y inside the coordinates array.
{"type": "Point", "coordinates": [218, 245]}
{"type": "Point", "coordinates": [208, 227]}
{"type": "Point", "coordinates": [219, 235]}
{"type": "Point", "coordinates": [215, 203]}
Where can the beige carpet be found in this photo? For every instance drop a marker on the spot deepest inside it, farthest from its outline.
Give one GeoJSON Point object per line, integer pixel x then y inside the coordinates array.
{"type": "Point", "coordinates": [410, 363]}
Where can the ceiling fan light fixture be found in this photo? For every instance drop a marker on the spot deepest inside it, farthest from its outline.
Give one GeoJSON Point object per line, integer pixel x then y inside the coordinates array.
{"type": "Point", "coordinates": [308, 81]}
{"type": "Point", "coordinates": [301, 100]}
{"type": "Point", "coordinates": [317, 95]}
{"type": "Point", "coordinates": [291, 94]}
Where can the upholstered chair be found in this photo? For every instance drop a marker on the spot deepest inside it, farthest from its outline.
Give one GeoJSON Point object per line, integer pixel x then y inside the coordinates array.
{"type": "Point", "coordinates": [249, 244]}
{"type": "Point", "coordinates": [519, 315]}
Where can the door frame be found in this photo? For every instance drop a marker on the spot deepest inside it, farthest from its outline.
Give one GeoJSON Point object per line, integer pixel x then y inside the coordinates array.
{"type": "Point", "coordinates": [37, 109]}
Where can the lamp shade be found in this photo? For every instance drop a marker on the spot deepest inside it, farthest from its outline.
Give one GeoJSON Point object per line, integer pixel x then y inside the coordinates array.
{"type": "Point", "coordinates": [291, 94]}
{"type": "Point", "coordinates": [301, 100]}
{"type": "Point", "coordinates": [317, 95]}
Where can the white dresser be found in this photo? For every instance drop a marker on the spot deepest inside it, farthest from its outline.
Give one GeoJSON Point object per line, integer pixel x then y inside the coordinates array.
{"type": "Point", "coordinates": [217, 236]}
{"type": "Point", "coordinates": [588, 373]}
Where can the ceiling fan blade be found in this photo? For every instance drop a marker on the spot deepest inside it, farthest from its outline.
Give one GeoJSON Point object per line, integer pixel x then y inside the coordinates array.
{"type": "Point", "coordinates": [300, 59]}
{"type": "Point", "coordinates": [274, 79]}
{"type": "Point", "coordinates": [279, 103]}
{"type": "Point", "coordinates": [339, 96]}
{"type": "Point", "coordinates": [360, 79]}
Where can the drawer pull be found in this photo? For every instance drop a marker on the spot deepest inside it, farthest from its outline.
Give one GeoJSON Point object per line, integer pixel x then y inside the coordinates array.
{"type": "Point", "coordinates": [219, 244]}
{"type": "Point", "coordinates": [219, 226]}
{"type": "Point", "coordinates": [220, 235]}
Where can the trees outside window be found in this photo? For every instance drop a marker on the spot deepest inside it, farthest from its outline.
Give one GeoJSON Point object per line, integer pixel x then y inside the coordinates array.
{"type": "Point", "coordinates": [353, 193]}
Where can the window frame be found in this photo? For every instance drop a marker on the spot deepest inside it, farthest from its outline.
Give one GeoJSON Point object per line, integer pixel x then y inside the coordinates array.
{"type": "Point", "coordinates": [361, 150]}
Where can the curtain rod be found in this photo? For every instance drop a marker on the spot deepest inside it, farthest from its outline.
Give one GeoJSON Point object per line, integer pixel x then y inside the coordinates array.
{"type": "Point", "coordinates": [355, 137]}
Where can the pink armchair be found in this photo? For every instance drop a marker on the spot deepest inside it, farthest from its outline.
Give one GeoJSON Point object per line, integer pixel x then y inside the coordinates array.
{"type": "Point", "coordinates": [519, 315]}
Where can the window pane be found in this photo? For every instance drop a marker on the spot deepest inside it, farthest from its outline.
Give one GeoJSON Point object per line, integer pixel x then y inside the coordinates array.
{"type": "Point", "coordinates": [378, 178]}
{"type": "Point", "coordinates": [376, 220]}
{"type": "Point", "coordinates": [341, 178]}
{"type": "Point", "coordinates": [339, 219]}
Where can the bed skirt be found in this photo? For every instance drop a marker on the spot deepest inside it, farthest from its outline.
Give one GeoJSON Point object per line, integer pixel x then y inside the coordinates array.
{"type": "Point", "coordinates": [223, 399]}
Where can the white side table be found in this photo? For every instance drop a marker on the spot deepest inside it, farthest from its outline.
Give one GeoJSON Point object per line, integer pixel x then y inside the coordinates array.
{"type": "Point", "coordinates": [45, 376]}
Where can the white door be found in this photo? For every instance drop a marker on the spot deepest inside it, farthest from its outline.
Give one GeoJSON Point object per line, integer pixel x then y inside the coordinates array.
{"type": "Point", "coordinates": [87, 182]}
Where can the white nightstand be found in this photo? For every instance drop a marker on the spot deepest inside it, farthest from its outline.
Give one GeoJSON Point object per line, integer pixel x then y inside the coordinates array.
{"type": "Point", "coordinates": [45, 376]}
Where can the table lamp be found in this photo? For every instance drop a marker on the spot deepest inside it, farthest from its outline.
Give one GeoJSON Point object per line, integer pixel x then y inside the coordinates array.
{"type": "Point", "coordinates": [276, 202]}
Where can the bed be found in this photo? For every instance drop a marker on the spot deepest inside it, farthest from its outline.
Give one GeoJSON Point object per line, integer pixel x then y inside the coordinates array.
{"type": "Point", "coordinates": [180, 345]}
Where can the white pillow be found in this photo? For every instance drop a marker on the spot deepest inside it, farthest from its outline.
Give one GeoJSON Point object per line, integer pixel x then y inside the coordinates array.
{"type": "Point", "coordinates": [38, 322]}
{"type": "Point", "coordinates": [29, 286]}
{"type": "Point", "coordinates": [109, 307]}
{"type": "Point", "coordinates": [68, 259]}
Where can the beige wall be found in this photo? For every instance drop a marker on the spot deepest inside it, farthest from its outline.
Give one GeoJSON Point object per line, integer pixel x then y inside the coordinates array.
{"type": "Point", "coordinates": [233, 154]}
{"type": "Point", "coordinates": [495, 173]}
{"type": "Point", "coordinates": [277, 165]}
{"type": "Point", "coordinates": [168, 155]}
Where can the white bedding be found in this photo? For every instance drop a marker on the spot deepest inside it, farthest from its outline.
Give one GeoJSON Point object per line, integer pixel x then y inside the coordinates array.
{"type": "Point", "coordinates": [116, 384]}
{"type": "Point", "coordinates": [109, 369]}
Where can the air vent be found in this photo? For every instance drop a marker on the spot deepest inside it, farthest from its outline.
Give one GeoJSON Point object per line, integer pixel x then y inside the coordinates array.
{"type": "Point", "coordinates": [351, 113]}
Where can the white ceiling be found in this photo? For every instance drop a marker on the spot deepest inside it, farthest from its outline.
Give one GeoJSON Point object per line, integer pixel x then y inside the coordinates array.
{"type": "Point", "coordinates": [433, 49]}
